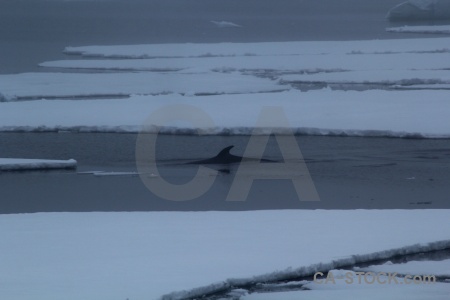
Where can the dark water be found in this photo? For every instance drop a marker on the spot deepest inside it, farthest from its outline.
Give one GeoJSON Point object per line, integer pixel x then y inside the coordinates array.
{"type": "Point", "coordinates": [33, 31]}
{"type": "Point", "coordinates": [348, 173]}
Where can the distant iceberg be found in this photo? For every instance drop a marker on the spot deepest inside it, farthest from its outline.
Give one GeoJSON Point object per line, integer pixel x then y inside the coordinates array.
{"type": "Point", "coordinates": [420, 10]}
{"type": "Point", "coordinates": [225, 24]}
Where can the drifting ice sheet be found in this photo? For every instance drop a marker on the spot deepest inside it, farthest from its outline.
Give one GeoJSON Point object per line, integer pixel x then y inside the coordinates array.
{"type": "Point", "coordinates": [42, 85]}
{"type": "Point", "coordinates": [261, 49]}
{"type": "Point", "coordinates": [13, 164]}
{"type": "Point", "coordinates": [323, 112]}
{"type": "Point", "coordinates": [311, 63]}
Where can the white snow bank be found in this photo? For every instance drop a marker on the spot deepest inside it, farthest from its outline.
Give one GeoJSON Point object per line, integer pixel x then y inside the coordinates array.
{"type": "Point", "coordinates": [376, 291]}
{"type": "Point", "coordinates": [268, 48]}
{"type": "Point", "coordinates": [436, 268]}
{"type": "Point", "coordinates": [45, 85]}
{"type": "Point", "coordinates": [13, 164]}
{"type": "Point", "coordinates": [137, 256]}
{"type": "Point", "coordinates": [322, 112]}
{"type": "Point", "coordinates": [445, 29]}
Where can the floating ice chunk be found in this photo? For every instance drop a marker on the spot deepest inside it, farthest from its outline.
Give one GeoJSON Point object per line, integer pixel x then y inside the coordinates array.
{"type": "Point", "coordinates": [225, 24]}
{"type": "Point", "coordinates": [89, 172]}
{"type": "Point", "coordinates": [113, 173]}
{"type": "Point", "coordinates": [116, 174]}
{"type": "Point", "coordinates": [15, 164]}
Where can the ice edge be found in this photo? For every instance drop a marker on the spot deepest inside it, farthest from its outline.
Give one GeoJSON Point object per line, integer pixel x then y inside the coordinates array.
{"type": "Point", "coordinates": [224, 131]}
{"type": "Point", "coordinates": [306, 270]}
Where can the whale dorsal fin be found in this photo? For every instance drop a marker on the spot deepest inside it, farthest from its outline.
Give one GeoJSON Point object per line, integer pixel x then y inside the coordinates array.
{"type": "Point", "coordinates": [225, 151]}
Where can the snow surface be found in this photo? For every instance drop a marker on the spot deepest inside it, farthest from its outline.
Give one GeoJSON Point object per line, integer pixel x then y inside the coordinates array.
{"type": "Point", "coordinates": [322, 112]}
{"type": "Point", "coordinates": [14, 164]}
{"type": "Point", "coordinates": [445, 29]}
{"type": "Point", "coordinates": [147, 255]}
{"type": "Point", "coordinates": [436, 268]}
{"type": "Point", "coordinates": [45, 85]}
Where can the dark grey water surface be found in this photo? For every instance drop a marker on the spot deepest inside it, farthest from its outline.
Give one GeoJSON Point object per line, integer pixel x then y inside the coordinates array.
{"type": "Point", "coordinates": [348, 172]}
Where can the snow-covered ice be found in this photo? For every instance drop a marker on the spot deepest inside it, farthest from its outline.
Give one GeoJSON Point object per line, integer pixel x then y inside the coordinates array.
{"type": "Point", "coordinates": [147, 255]}
{"type": "Point", "coordinates": [444, 29]}
{"type": "Point", "coordinates": [262, 49]}
{"type": "Point", "coordinates": [15, 164]}
{"type": "Point", "coordinates": [322, 112]}
{"type": "Point", "coordinates": [248, 68]}
{"type": "Point", "coordinates": [46, 85]}
{"type": "Point", "coordinates": [380, 62]}
{"type": "Point", "coordinates": [283, 63]}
